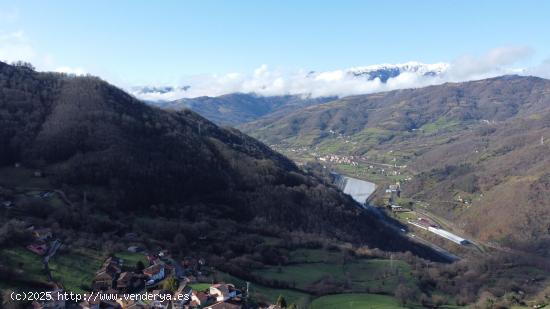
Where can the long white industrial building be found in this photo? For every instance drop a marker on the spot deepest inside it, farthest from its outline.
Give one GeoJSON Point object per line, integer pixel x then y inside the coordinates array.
{"type": "Point", "coordinates": [450, 236]}
{"type": "Point", "coordinates": [443, 233]}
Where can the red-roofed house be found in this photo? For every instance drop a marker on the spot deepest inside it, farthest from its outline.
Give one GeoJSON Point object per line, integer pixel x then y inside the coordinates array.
{"type": "Point", "coordinates": [39, 249]}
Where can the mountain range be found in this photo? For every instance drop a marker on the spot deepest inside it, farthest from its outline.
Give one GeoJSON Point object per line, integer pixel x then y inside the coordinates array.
{"type": "Point", "coordinates": [238, 108]}
{"type": "Point", "coordinates": [363, 76]}
{"type": "Point", "coordinates": [135, 165]}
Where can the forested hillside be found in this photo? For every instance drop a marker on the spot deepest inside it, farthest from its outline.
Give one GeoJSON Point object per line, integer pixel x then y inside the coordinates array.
{"type": "Point", "coordinates": [127, 161]}
{"type": "Point", "coordinates": [238, 108]}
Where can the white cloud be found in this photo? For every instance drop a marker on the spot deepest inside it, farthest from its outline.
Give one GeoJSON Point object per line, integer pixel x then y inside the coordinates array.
{"type": "Point", "coordinates": [69, 70]}
{"type": "Point", "coordinates": [496, 62]}
{"type": "Point", "coordinates": [331, 76]}
{"type": "Point", "coordinates": [266, 81]}
{"type": "Point", "coordinates": [542, 70]}
{"type": "Point", "coordinates": [16, 46]}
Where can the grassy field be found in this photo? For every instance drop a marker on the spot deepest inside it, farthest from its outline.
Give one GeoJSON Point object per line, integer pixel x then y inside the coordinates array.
{"type": "Point", "coordinates": [75, 269]}
{"type": "Point", "coordinates": [303, 275]}
{"type": "Point", "coordinates": [356, 301]}
{"type": "Point", "coordinates": [27, 263]}
{"type": "Point", "coordinates": [270, 295]}
{"type": "Point", "coordinates": [308, 267]}
{"type": "Point", "coordinates": [314, 256]}
{"type": "Point", "coordinates": [200, 286]}
{"type": "Point", "coordinates": [439, 125]}
{"type": "Point", "coordinates": [381, 275]}
{"type": "Point", "coordinates": [406, 216]}
{"type": "Point", "coordinates": [314, 263]}
{"type": "Point", "coordinates": [130, 259]}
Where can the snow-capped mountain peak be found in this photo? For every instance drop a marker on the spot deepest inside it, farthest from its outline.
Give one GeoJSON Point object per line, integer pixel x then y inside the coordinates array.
{"type": "Point", "coordinates": [387, 71]}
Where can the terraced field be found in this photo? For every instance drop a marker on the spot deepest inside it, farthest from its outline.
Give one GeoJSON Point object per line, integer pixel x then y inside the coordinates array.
{"type": "Point", "coordinates": [27, 264]}
{"type": "Point", "coordinates": [75, 269]}
{"type": "Point", "coordinates": [309, 269]}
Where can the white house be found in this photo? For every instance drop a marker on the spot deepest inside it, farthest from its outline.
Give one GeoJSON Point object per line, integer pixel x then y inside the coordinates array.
{"type": "Point", "coordinates": [223, 291]}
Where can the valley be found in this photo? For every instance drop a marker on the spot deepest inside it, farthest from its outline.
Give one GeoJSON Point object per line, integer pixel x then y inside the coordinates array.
{"type": "Point", "coordinates": [265, 224]}
{"type": "Point", "coordinates": [274, 154]}
{"type": "Point", "coordinates": [79, 174]}
{"type": "Point", "coordinates": [312, 269]}
{"type": "Point", "coordinates": [471, 141]}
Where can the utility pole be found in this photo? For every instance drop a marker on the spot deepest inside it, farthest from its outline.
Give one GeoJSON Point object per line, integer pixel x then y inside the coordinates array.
{"type": "Point", "coordinates": [247, 291]}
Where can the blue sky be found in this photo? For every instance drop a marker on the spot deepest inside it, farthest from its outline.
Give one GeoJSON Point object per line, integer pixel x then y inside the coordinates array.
{"type": "Point", "coordinates": [140, 42]}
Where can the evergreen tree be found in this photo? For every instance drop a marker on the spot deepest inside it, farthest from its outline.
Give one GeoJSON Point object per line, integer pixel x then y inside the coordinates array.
{"type": "Point", "coordinates": [281, 301]}
{"type": "Point", "coordinates": [139, 267]}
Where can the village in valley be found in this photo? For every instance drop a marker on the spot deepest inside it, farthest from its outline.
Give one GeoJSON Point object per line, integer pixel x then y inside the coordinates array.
{"type": "Point", "coordinates": [159, 282]}
{"type": "Point", "coordinates": [132, 278]}
{"type": "Point", "coordinates": [389, 170]}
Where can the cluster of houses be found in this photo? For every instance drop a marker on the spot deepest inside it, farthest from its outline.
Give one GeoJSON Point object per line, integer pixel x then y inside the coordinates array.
{"type": "Point", "coordinates": [114, 282]}
{"type": "Point", "coordinates": [465, 201]}
{"type": "Point", "coordinates": [394, 189]}
{"type": "Point", "coordinates": [10, 204]}
{"type": "Point", "coordinates": [110, 276]}
{"type": "Point", "coordinates": [112, 286]}
{"type": "Point", "coordinates": [218, 296]}
{"type": "Point", "coordinates": [111, 279]}
{"type": "Point", "coordinates": [386, 170]}
{"type": "Point", "coordinates": [339, 159]}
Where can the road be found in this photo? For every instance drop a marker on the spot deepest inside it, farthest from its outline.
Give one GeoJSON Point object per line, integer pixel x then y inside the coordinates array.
{"type": "Point", "coordinates": [177, 268]}
{"type": "Point", "coordinates": [56, 244]}
{"type": "Point", "coordinates": [376, 163]}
